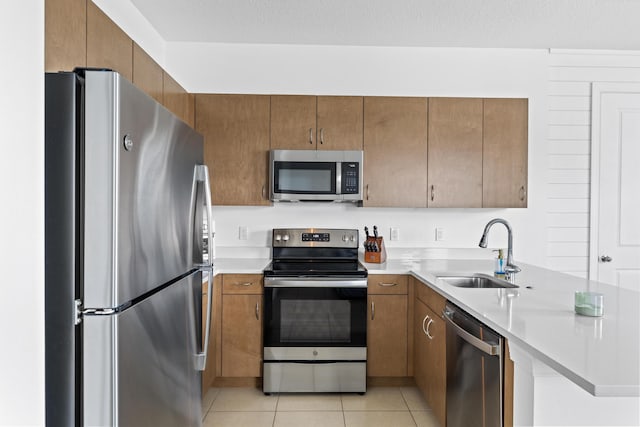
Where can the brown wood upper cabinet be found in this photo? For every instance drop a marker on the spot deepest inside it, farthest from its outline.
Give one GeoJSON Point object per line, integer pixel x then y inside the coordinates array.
{"type": "Point", "coordinates": [504, 168]}
{"type": "Point", "coordinates": [147, 74]}
{"type": "Point", "coordinates": [455, 153]}
{"type": "Point", "coordinates": [107, 45]}
{"type": "Point", "coordinates": [236, 147]}
{"type": "Point", "coordinates": [65, 34]}
{"type": "Point", "coordinates": [300, 122]}
{"type": "Point", "coordinates": [177, 100]}
{"type": "Point", "coordinates": [395, 152]}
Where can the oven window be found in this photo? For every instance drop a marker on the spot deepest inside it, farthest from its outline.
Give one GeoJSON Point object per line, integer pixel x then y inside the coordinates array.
{"type": "Point", "coordinates": [305, 177]}
{"type": "Point", "coordinates": [299, 317]}
{"type": "Point", "coordinates": [320, 321]}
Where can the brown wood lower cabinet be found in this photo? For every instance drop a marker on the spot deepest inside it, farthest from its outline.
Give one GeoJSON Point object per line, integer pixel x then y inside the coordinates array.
{"type": "Point", "coordinates": [241, 347]}
{"type": "Point", "coordinates": [430, 357]}
{"type": "Point", "coordinates": [387, 326]}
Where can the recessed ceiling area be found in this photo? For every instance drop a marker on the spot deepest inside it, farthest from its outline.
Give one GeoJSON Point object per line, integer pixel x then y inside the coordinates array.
{"type": "Point", "coordinates": [562, 24]}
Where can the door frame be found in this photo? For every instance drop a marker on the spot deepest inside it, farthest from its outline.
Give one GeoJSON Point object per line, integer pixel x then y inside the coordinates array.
{"type": "Point", "coordinates": [597, 90]}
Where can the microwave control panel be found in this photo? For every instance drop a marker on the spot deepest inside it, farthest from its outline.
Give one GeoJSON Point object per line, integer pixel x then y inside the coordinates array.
{"type": "Point", "coordinates": [350, 177]}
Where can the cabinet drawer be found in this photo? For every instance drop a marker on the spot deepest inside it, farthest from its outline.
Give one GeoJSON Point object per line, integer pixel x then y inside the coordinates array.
{"type": "Point", "coordinates": [242, 284]}
{"type": "Point", "coordinates": [386, 284]}
{"type": "Point", "coordinates": [431, 298]}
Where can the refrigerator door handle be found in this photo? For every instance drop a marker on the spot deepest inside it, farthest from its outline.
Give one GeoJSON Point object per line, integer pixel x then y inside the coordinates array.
{"type": "Point", "coordinates": [201, 357]}
{"type": "Point", "coordinates": [202, 175]}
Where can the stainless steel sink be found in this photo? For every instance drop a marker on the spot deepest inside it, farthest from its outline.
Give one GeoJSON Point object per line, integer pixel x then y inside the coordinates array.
{"type": "Point", "coordinates": [476, 280]}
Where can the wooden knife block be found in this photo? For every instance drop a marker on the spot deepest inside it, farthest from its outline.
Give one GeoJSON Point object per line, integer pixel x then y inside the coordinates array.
{"type": "Point", "coordinates": [376, 257]}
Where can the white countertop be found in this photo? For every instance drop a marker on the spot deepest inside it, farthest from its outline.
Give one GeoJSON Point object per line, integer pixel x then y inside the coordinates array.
{"type": "Point", "coordinates": [600, 354]}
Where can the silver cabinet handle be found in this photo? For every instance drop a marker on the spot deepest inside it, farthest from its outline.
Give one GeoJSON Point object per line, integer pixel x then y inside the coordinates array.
{"type": "Point", "coordinates": [429, 329]}
{"type": "Point", "coordinates": [523, 193]}
{"type": "Point", "coordinates": [321, 135]}
{"type": "Point", "coordinates": [433, 193]}
{"type": "Point", "coordinates": [373, 310]}
{"type": "Point", "coordinates": [423, 327]}
{"type": "Point", "coordinates": [245, 284]}
{"type": "Point", "coordinates": [606, 258]}
{"type": "Point", "coordinates": [310, 135]}
{"type": "Point", "coordinates": [386, 285]}
{"type": "Point", "coordinates": [257, 311]}
{"type": "Point", "coordinates": [367, 191]}
{"type": "Point", "coordinates": [264, 193]}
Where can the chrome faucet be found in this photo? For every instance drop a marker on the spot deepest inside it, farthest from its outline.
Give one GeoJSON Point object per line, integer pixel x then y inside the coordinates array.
{"type": "Point", "coordinates": [510, 269]}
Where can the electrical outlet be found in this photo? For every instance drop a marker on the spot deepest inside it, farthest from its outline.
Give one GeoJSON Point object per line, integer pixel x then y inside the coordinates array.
{"type": "Point", "coordinates": [394, 234]}
{"type": "Point", "coordinates": [243, 232]}
{"type": "Point", "coordinates": [439, 234]}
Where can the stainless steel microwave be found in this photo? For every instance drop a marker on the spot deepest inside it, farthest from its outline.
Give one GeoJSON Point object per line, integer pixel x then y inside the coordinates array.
{"type": "Point", "coordinates": [316, 175]}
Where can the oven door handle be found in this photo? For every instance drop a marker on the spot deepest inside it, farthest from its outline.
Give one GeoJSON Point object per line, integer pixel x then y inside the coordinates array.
{"type": "Point", "coordinates": [315, 282]}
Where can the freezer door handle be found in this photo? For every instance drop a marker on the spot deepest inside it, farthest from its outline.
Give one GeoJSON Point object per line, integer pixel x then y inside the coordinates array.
{"type": "Point", "coordinates": [201, 356]}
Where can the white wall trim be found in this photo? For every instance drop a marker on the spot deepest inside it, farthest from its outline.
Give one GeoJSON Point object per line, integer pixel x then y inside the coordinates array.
{"type": "Point", "coordinates": [597, 90]}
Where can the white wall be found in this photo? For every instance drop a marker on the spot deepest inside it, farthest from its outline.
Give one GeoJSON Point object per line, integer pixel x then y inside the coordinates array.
{"type": "Point", "coordinates": [571, 74]}
{"type": "Point", "coordinates": [22, 213]}
{"type": "Point", "coordinates": [324, 70]}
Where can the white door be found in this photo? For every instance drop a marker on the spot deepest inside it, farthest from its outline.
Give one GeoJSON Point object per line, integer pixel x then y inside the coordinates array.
{"type": "Point", "coordinates": [615, 185]}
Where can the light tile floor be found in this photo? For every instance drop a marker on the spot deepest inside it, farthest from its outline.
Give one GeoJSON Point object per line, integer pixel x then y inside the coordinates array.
{"type": "Point", "coordinates": [379, 407]}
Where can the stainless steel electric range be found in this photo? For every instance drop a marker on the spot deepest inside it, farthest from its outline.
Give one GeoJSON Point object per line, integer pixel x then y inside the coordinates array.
{"type": "Point", "coordinates": [315, 313]}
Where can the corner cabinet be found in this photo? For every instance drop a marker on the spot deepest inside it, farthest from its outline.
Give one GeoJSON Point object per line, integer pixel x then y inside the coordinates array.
{"type": "Point", "coordinates": [395, 152]}
{"type": "Point", "coordinates": [302, 122]}
{"type": "Point", "coordinates": [241, 347]}
{"type": "Point", "coordinates": [430, 348]}
{"type": "Point", "coordinates": [236, 147]}
{"type": "Point", "coordinates": [387, 326]}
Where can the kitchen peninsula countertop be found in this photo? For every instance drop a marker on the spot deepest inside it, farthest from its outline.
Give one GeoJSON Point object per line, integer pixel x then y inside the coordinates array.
{"type": "Point", "coordinates": [600, 354]}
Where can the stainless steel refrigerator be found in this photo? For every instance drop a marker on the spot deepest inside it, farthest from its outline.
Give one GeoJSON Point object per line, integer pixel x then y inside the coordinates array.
{"type": "Point", "coordinates": [127, 215]}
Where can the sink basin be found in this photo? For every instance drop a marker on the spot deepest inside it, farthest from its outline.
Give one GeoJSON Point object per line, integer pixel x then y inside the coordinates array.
{"type": "Point", "coordinates": [478, 281]}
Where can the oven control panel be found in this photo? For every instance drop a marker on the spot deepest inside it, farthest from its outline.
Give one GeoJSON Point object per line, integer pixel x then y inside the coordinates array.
{"type": "Point", "coordinates": [315, 237]}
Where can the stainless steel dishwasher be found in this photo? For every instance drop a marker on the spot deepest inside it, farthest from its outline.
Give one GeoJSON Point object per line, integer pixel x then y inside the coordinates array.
{"type": "Point", "coordinates": [474, 371]}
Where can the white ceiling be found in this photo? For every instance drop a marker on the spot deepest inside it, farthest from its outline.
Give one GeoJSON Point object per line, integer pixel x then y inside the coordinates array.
{"type": "Point", "coordinates": [569, 24]}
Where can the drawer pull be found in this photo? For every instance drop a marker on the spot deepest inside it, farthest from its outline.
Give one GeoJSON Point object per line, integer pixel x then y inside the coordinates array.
{"type": "Point", "coordinates": [386, 285]}
{"type": "Point", "coordinates": [245, 284]}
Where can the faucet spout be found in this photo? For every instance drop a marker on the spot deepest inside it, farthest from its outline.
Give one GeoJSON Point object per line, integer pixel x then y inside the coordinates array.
{"type": "Point", "coordinates": [511, 269]}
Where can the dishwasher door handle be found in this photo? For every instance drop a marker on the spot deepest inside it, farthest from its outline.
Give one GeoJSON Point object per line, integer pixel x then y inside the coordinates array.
{"type": "Point", "coordinates": [485, 347]}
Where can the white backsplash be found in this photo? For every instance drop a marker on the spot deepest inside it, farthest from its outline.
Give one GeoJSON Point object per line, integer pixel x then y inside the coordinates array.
{"type": "Point", "coordinates": [417, 229]}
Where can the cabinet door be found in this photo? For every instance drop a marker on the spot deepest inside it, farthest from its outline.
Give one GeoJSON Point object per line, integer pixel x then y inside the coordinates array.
{"type": "Point", "coordinates": [107, 45]}
{"type": "Point", "coordinates": [504, 169]}
{"type": "Point", "coordinates": [236, 147]}
{"type": "Point", "coordinates": [293, 122]}
{"type": "Point", "coordinates": [339, 123]}
{"type": "Point", "coordinates": [387, 336]}
{"type": "Point", "coordinates": [455, 153]}
{"type": "Point", "coordinates": [177, 100]}
{"type": "Point", "coordinates": [147, 74]}
{"type": "Point", "coordinates": [395, 152]}
{"type": "Point", "coordinates": [65, 34]}
{"type": "Point", "coordinates": [241, 335]}
{"type": "Point", "coordinates": [420, 343]}
{"type": "Point", "coordinates": [436, 366]}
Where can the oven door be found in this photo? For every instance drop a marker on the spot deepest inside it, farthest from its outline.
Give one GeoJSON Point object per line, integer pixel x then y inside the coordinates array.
{"type": "Point", "coordinates": [302, 312]}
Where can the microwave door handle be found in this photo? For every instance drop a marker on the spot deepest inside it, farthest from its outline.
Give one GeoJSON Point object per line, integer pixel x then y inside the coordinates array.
{"type": "Point", "coordinates": [338, 177]}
